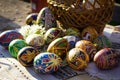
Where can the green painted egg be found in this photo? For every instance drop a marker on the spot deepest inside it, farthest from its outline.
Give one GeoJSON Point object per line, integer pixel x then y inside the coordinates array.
{"type": "Point", "coordinates": [15, 46]}
{"type": "Point", "coordinates": [102, 42]}
{"type": "Point", "coordinates": [52, 34]}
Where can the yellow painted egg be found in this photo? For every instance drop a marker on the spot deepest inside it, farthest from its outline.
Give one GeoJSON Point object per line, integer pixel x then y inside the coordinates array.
{"type": "Point", "coordinates": [59, 46]}
{"type": "Point", "coordinates": [77, 59]}
{"type": "Point", "coordinates": [87, 46]}
{"type": "Point", "coordinates": [89, 33]}
{"type": "Point", "coordinates": [26, 55]}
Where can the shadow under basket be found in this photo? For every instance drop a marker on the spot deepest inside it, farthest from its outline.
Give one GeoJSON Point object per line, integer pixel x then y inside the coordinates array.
{"type": "Point", "coordinates": [82, 13]}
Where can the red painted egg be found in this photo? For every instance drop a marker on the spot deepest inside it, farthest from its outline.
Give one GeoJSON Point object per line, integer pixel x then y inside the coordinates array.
{"type": "Point", "coordinates": [106, 58]}
{"type": "Point", "coordinates": [7, 36]}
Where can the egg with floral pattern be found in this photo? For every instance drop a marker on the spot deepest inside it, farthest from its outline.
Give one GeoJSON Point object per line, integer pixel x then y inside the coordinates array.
{"type": "Point", "coordinates": [47, 62]}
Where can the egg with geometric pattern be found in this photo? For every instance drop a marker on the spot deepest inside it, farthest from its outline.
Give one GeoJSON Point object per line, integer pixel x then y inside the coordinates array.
{"type": "Point", "coordinates": [77, 59]}
{"type": "Point", "coordinates": [72, 39]}
{"type": "Point", "coordinates": [106, 59]}
{"type": "Point", "coordinates": [47, 62]}
{"type": "Point", "coordinates": [7, 36]}
{"type": "Point", "coordinates": [15, 46]}
{"type": "Point", "coordinates": [52, 34]}
{"type": "Point", "coordinates": [26, 55]}
{"type": "Point", "coordinates": [87, 46]}
{"type": "Point", "coordinates": [102, 42]}
{"type": "Point", "coordinates": [89, 33]}
{"type": "Point", "coordinates": [31, 19]}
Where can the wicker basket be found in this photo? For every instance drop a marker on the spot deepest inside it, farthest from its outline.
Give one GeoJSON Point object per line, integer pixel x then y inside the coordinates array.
{"type": "Point", "coordinates": [82, 13]}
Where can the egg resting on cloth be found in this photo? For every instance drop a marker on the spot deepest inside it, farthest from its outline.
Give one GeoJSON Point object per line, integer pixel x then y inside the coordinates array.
{"type": "Point", "coordinates": [89, 33]}
{"type": "Point", "coordinates": [26, 55]}
{"type": "Point", "coordinates": [77, 59]}
{"type": "Point", "coordinates": [59, 46]}
{"type": "Point", "coordinates": [106, 58]}
{"type": "Point", "coordinates": [7, 36]}
{"type": "Point", "coordinates": [15, 46]}
{"type": "Point", "coordinates": [102, 42]}
{"type": "Point", "coordinates": [87, 46]}
{"type": "Point", "coordinates": [46, 18]}
{"type": "Point", "coordinates": [47, 62]}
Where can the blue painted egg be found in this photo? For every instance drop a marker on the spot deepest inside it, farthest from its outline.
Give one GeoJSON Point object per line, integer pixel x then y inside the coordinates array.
{"type": "Point", "coordinates": [72, 40]}
{"type": "Point", "coordinates": [7, 36]}
{"type": "Point", "coordinates": [31, 18]}
{"type": "Point", "coordinates": [47, 62]}
{"type": "Point", "coordinates": [26, 55]}
{"type": "Point", "coordinates": [46, 18]}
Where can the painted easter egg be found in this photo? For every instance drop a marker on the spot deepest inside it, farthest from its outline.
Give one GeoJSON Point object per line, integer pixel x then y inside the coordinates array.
{"type": "Point", "coordinates": [52, 34]}
{"type": "Point", "coordinates": [31, 19]}
{"type": "Point", "coordinates": [89, 33]}
{"type": "Point", "coordinates": [47, 62]}
{"type": "Point", "coordinates": [35, 40]}
{"type": "Point", "coordinates": [15, 46]}
{"type": "Point", "coordinates": [87, 46]}
{"type": "Point", "coordinates": [26, 55]}
{"type": "Point", "coordinates": [72, 39]}
{"type": "Point", "coordinates": [102, 42]}
{"type": "Point", "coordinates": [7, 36]}
{"type": "Point", "coordinates": [72, 31]}
{"type": "Point", "coordinates": [59, 46]}
{"type": "Point", "coordinates": [46, 18]}
{"type": "Point", "coordinates": [106, 59]}
{"type": "Point", "coordinates": [77, 59]}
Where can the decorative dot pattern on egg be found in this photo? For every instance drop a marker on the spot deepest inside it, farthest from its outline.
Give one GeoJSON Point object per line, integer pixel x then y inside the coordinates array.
{"type": "Point", "coordinates": [106, 59]}
{"type": "Point", "coordinates": [35, 40]}
{"type": "Point", "coordinates": [52, 34]}
{"type": "Point", "coordinates": [87, 46]}
{"type": "Point", "coordinates": [102, 42]}
{"type": "Point", "coordinates": [31, 18]}
{"type": "Point", "coordinates": [77, 59]}
{"type": "Point", "coordinates": [46, 18]}
{"type": "Point", "coordinates": [59, 46]}
{"type": "Point", "coordinates": [26, 55]}
{"type": "Point", "coordinates": [72, 39]}
{"type": "Point", "coordinates": [47, 62]}
{"type": "Point", "coordinates": [15, 46]}
{"type": "Point", "coordinates": [7, 36]}
{"type": "Point", "coordinates": [89, 33]}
